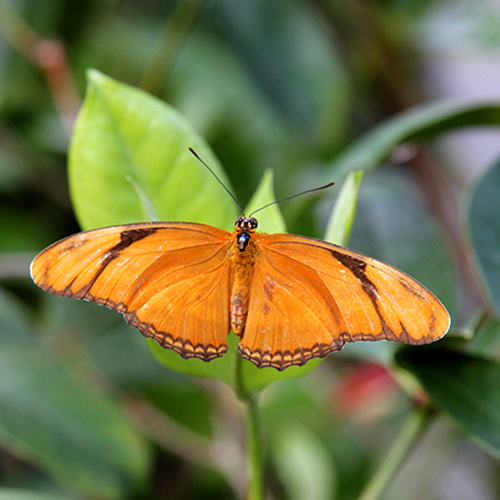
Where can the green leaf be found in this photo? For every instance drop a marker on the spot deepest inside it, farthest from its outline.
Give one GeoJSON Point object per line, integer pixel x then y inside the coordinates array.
{"type": "Point", "coordinates": [341, 219]}
{"type": "Point", "coordinates": [485, 337]}
{"type": "Point", "coordinates": [70, 429]}
{"type": "Point", "coordinates": [484, 227]}
{"type": "Point", "coordinates": [255, 379]}
{"type": "Point", "coordinates": [129, 162]}
{"type": "Point", "coordinates": [293, 64]}
{"type": "Point", "coordinates": [18, 494]}
{"type": "Point", "coordinates": [270, 219]}
{"type": "Point", "coordinates": [463, 386]}
{"type": "Point", "coordinates": [222, 368]}
{"type": "Point", "coordinates": [419, 123]}
{"type": "Point", "coordinates": [15, 327]}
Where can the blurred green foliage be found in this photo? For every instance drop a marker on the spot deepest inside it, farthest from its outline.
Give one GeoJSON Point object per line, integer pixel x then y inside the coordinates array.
{"type": "Point", "coordinates": [312, 90]}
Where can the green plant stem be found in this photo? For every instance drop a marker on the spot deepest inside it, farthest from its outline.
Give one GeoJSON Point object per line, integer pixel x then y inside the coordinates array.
{"type": "Point", "coordinates": [255, 448]}
{"type": "Point", "coordinates": [256, 490]}
{"type": "Point", "coordinates": [16, 30]}
{"type": "Point", "coordinates": [174, 33]}
{"type": "Point", "coordinates": [416, 423]}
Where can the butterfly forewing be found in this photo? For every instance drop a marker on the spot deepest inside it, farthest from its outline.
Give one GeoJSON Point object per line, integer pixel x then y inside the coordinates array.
{"type": "Point", "coordinates": [170, 280]}
{"type": "Point", "coordinates": [309, 297]}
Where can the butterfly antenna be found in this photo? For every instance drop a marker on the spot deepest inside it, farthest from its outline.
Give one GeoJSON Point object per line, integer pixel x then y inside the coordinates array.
{"type": "Point", "coordinates": [218, 180]}
{"type": "Point", "coordinates": [293, 196]}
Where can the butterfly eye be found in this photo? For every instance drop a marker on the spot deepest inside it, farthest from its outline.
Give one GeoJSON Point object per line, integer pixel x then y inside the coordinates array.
{"type": "Point", "coordinates": [252, 223]}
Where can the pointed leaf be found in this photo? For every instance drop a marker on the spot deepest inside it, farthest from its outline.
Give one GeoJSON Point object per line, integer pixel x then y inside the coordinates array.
{"type": "Point", "coordinates": [130, 162]}
{"type": "Point", "coordinates": [270, 219]}
{"type": "Point", "coordinates": [341, 220]}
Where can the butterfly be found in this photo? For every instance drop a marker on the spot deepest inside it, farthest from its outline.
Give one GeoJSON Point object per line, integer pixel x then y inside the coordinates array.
{"type": "Point", "coordinates": [289, 298]}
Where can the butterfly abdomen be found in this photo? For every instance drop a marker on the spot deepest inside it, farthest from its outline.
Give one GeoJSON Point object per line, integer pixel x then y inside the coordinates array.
{"type": "Point", "coordinates": [242, 272]}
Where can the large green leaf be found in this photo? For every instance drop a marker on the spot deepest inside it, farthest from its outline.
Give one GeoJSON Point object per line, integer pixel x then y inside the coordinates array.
{"type": "Point", "coordinates": [423, 122]}
{"type": "Point", "coordinates": [74, 431]}
{"type": "Point", "coordinates": [483, 217]}
{"type": "Point", "coordinates": [129, 162]}
{"type": "Point", "coordinates": [463, 386]}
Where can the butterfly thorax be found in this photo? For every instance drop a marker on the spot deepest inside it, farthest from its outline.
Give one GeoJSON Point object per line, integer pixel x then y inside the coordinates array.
{"type": "Point", "coordinates": [243, 251]}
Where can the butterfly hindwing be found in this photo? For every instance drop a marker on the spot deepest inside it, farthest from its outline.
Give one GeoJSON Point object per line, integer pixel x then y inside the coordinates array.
{"type": "Point", "coordinates": [309, 297]}
{"type": "Point", "coordinates": [169, 280]}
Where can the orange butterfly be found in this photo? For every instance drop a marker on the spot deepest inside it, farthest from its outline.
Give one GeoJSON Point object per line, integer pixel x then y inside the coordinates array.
{"type": "Point", "coordinates": [289, 298]}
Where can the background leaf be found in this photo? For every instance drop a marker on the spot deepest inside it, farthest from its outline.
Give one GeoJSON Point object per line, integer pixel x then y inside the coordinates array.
{"type": "Point", "coordinates": [484, 227]}
{"type": "Point", "coordinates": [304, 464]}
{"type": "Point", "coordinates": [75, 432]}
{"type": "Point", "coordinates": [18, 494]}
{"type": "Point", "coordinates": [463, 386]}
{"type": "Point", "coordinates": [419, 123]}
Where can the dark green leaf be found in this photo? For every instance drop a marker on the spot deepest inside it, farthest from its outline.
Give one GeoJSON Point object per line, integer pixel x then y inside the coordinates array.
{"type": "Point", "coordinates": [418, 123]}
{"type": "Point", "coordinates": [485, 337]}
{"type": "Point", "coordinates": [463, 386]}
{"type": "Point", "coordinates": [293, 63]}
{"type": "Point", "coordinates": [484, 226]}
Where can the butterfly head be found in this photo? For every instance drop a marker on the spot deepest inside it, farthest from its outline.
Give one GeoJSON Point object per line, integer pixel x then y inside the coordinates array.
{"type": "Point", "coordinates": [245, 226]}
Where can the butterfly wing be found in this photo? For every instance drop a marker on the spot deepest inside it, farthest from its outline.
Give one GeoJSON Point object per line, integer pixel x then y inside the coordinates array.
{"type": "Point", "coordinates": [169, 280]}
{"type": "Point", "coordinates": [308, 298]}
